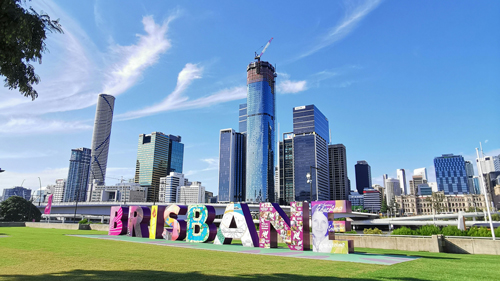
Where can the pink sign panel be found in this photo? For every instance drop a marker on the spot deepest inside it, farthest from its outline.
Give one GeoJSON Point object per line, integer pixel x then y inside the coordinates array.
{"type": "Point", "coordinates": [118, 220]}
{"type": "Point", "coordinates": [49, 205]}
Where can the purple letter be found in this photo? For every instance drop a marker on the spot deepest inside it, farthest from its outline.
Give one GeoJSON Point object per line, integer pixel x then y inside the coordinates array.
{"type": "Point", "coordinates": [138, 221]}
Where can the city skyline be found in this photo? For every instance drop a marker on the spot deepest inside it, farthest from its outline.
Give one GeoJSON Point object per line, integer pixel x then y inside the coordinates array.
{"type": "Point", "coordinates": [336, 57]}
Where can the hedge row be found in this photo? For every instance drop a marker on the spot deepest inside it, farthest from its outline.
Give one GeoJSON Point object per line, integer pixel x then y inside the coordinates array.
{"type": "Point", "coordinates": [450, 230]}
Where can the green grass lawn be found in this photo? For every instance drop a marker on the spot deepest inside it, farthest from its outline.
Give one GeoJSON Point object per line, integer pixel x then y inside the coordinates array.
{"type": "Point", "coordinates": [47, 254]}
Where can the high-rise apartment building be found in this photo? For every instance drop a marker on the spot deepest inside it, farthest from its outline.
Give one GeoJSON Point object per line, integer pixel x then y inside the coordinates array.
{"type": "Point", "coordinates": [401, 174]}
{"type": "Point", "coordinates": [450, 174]}
{"type": "Point", "coordinates": [363, 176]}
{"type": "Point", "coordinates": [157, 155]}
{"type": "Point", "coordinates": [260, 123]}
{"type": "Point", "coordinates": [232, 163]}
{"type": "Point", "coordinates": [487, 164]}
{"type": "Point", "coordinates": [287, 192]}
{"type": "Point", "coordinates": [59, 190]}
{"type": "Point", "coordinates": [100, 139]}
{"type": "Point", "coordinates": [337, 166]}
{"type": "Point", "coordinates": [78, 175]}
{"type": "Point", "coordinates": [170, 186]}
{"type": "Point", "coordinates": [422, 172]}
{"type": "Point", "coordinates": [310, 153]}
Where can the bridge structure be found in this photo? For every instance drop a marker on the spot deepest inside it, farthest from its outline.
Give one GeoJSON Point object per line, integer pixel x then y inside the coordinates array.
{"type": "Point", "coordinates": [101, 210]}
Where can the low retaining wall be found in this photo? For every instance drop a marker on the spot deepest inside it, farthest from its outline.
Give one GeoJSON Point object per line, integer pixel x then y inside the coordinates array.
{"type": "Point", "coordinates": [472, 246]}
{"type": "Point", "coordinates": [428, 244]}
{"type": "Point", "coordinates": [73, 226]}
{"type": "Point", "coordinates": [12, 224]}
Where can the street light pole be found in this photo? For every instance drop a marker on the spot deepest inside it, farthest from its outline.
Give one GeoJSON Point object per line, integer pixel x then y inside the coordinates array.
{"type": "Point", "coordinates": [309, 181]}
{"type": "Point", "coordinates": [40, 192]}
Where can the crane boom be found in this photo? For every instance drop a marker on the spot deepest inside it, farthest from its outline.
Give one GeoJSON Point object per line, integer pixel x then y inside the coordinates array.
{"type": "Point", "coordinates": [267, 45]}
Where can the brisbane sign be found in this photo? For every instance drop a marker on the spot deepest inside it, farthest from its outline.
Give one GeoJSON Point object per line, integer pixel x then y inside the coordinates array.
{"type": "Point", "coordinates": [237, 223]}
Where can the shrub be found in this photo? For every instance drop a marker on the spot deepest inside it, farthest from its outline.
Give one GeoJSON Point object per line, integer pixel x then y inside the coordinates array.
{"type": "Point", "coordinates": [403, 231]}
{"type": "Point", "coordinates": [84, 221]}
{"type": "Point", "coordinates": [351, 231]}
{"type": "Point", "coordinates": [372, 231]}
{"type": "Point", "coordinates": [452, 230]}
{"type": "Point", "coordinates": [428, 230]}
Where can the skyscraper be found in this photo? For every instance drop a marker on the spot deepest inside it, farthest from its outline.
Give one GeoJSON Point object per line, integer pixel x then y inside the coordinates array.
{"type": "Point", "coordinates": [287, 192]}
{"type": "Point", "coordinates": [78, 175]}
{"type": "Point", "coordinates": [487, 164]}
{"type": "Point", "coordinates": [100, 139]}
{"type": "Point", "coordinates": [363, 176]}
{"type": "Point", "coordinates": [337, 163]}
{"type": "Point", "coordinates": [415, 182]}
{"type": "Point", "coordinates": [450, 174]}
{"type": "Point", "coordinates": [469, 171]}
{"type": "Point", "coordinates": [310, 153]}
{"type": "Point", "coordinates": [231, 166]}
{"type": "Point", "coordinates": [242, 122]}
{"type": "Point", "coordinates": [392, 189]}
{"type": "Point", "coordinates": [260, 132]}
{"type": "Point", "coordinates": [402, 181]}
{"type": "Point", "coordinates": [157, 155]}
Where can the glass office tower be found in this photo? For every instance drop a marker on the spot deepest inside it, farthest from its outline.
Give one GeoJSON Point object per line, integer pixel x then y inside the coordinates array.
{"type": "Point", "coordinates": [260, 132]}
{"type": "Point", "coordinates": [157, 155]}
{"type": "Point", "coordinates": [243, 118]}
{"type": "Point", "coordinates": [287, 192]}
{"type": "Point", "coordinates": [310, 153]}
{"type": "Point", "coordinates": [451, 176]}
{"type": "Point", "coordinates": [337, 163]}
{"type": "Point", "coordinates": [78, 175]}
{"type": "Point", "coordinates": [231, 166]}
{"type": "Point", "coordinates": [363, 176]}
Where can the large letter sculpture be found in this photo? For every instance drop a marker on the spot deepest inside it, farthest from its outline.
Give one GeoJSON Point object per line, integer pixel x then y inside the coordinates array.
{"type": "Point", "coordinates": [157, 223]}
{"type": "Point", "coordinates": [118, 220]}
{"type": "Point", "coordinates": [138, 221]}
{"type": "Point", "coordinates": [200, 224]}
{"type": "Point", "coordinates": [323, 227]}
{"type": "Point", "coordinates": [177, 229]}
{"type": "Point", "coordinates": [273, 221]}
{"type": "Point", "coordinates": [237, 223]}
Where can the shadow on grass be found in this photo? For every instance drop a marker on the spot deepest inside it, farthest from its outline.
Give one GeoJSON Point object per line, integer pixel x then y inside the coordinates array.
{"type": "Point", "coordinates": [398, 255]}
{"type": "Point", "coordinates": [85, 275]}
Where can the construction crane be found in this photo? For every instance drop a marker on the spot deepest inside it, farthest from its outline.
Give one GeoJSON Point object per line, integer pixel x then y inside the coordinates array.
{"type": "Point", "coordinates": [257, 57]}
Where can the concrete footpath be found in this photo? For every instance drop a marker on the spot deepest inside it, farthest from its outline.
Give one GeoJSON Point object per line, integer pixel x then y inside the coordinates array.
{"type": "Point", "coordinates": [281, 252]}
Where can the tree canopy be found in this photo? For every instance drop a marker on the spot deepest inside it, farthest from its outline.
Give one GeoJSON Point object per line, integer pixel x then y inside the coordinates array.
{"type": "Point", "coordinates": [16, 208]}
{"type": "Point", "coordinates": [22, 36]}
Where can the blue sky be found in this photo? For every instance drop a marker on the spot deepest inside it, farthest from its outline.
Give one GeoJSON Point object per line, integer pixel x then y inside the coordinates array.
{"type": "Point", "coordinates": [401, 82]}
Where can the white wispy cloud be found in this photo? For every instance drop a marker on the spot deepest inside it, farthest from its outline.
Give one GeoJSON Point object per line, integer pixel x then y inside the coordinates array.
{"type": "Point", "coordinates": [24, 154]}
{"type": "Point", "coordinates": [212, 164]}
{"type": "Point", "coordinates": [177, 101]}
{"type": "Point", "coordinates": [47, 176]}
{"type": "Point", "coordinates": [486, 141]}
{"type": "Point", "coordinates": [354, 13]}
{"type": "Point", "coordinates": [136, 58]}
{"type": "Point", "coordinates": [38, 125]}
{"type": "Point", "coordinates": [79, 71]}
{"type": "Point", "coordinates": [291, 87]}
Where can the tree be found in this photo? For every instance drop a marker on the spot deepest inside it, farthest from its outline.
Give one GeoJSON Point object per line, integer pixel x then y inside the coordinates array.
{"type": "Point", "coordinates": [436, 201]}
{"type": "Point", "coordinates": [16, 208]}
{"type": "Point", "coordinates": [22, 36]}
{"type": "Point", "coordinates": [384, 207]}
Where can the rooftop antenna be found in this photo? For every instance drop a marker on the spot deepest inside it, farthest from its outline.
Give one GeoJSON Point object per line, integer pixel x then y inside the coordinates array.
{"type": "Point", "coordinates": [257, 57]}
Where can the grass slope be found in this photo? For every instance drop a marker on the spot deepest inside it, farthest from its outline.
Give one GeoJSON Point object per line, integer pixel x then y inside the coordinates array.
{"type": "Point", "coordinates": [47, 254]}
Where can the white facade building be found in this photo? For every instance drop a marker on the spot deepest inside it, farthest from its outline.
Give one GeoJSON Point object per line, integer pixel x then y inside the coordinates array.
{"type": "Point", "coordinates": [170, 187]}
{"type": "Point", "coordinates": [192, 194]}
{"type": "Point", "coordinates": [121, 192]}
{"type": "Point", "coordinates": [59, 190]}
{"type": "Point", "coordinates": [421, 172]}
{"type": "Point", "coordinates": [487, 165]}
{"type": "Point", "coordinates": [434, 186]}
